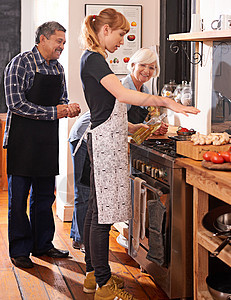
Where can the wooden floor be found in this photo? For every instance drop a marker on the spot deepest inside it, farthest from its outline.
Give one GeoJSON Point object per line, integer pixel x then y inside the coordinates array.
{"type": "Point", "coordinates": [63, 278]}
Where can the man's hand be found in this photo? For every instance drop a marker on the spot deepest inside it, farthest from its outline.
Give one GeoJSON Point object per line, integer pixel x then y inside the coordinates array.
{"type": "Point", "coordinates": [162, 130]}
{"type": "Point", "coordinates": [73, 110]}
{"type": "Point", "coordinates": [62, 111]}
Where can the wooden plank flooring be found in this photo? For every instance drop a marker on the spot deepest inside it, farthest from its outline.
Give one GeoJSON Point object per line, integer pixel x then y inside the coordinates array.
{"type": "Point", "coordinates": [63, 278]}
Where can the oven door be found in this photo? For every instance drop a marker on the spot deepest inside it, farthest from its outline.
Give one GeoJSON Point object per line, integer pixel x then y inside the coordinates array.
{"type": "Point", "coordinates": [154, 248]}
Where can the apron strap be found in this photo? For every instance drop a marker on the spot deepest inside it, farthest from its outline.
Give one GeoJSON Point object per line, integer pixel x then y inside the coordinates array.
{"type": "Point", "coordinates": [84, 136]}
{"type": "Point", "coordinates": [35, 62]}
{"type": "Point", "coordinates": [37, 65]}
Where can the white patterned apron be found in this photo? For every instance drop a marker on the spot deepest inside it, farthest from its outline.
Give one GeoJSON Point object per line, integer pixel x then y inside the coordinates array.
{"type": "Point", "coordinates": [110, 160]}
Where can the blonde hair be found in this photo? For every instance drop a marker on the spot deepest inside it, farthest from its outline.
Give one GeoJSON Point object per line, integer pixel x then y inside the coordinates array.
{"type": "Point", "coordinates": [145, 56]}
{"type": "Point", "coordinates": [93, 23]}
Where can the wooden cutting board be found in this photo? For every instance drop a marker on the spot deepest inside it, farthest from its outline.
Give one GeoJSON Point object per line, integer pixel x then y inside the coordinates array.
{"type": "Point", "coordinates": [188, 149]}
{"type": "Point", "coordinates": [211, 166]}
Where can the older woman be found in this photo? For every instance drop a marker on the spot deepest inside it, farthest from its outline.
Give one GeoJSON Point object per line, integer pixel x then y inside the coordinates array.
{"type": "Point", "coordinates": [143, 65]}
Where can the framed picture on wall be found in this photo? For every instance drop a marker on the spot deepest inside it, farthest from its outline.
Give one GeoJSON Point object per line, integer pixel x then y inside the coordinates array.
{"type": "Point", "coordinates": [132, 40]}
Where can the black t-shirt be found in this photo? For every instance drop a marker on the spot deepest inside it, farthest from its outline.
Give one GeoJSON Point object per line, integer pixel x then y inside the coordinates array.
{"type": "Point", "coordinates": [101, 103]}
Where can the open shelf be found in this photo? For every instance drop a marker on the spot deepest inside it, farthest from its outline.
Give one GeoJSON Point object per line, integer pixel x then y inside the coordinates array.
{"type": "Point", "coordinates": [210, 243]}
{"type": "Point", "coordinates": [201, 36]}
{"type": "Point", "coordinates": [205, 295]}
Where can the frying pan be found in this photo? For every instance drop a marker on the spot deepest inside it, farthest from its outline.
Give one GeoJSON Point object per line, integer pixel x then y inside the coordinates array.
{"type": "Point", "coordinates": [219, 285]}
{"type": "Point", "coordinates": [212, 215]}
{"type": "Point", "coordinates": [223, 226]}
{"type": "Point", "coordinates": [210, 223]}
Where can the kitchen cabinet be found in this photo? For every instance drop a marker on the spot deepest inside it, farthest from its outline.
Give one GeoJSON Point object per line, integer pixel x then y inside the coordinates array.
{"type": "Point", "coordinates": [205, 182]}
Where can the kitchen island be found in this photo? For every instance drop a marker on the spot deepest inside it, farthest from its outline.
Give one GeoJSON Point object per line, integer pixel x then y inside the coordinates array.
{"type": "Point", "coordinates": [205, 183]}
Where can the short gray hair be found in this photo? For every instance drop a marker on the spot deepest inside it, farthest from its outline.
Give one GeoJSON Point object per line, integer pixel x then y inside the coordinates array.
{"type": "Point", "coordinates": [48, 29]}
{"type": "Point", "coordinates": [145, 56]}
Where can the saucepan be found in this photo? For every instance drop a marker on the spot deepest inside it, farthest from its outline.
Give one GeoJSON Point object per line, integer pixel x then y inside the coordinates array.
{"type": "Point", "coordinates": [219, 285]}
{"type": "Point", "coordinates": [223, 226]}
{"type": "Point", "coordinates": [223, 222]}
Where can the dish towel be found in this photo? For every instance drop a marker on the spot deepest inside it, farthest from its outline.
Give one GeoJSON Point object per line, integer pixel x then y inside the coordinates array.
{"type": "Point", "coordinates": [143, 201]}
{"type": "Point", "coordinates": [157, 232]}
{"type": "Point", "coordinates": [139, 197]}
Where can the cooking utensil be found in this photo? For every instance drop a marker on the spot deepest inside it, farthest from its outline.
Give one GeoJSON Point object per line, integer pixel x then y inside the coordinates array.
{"type": "Point", "coordinates": [187, 133]}
{"type": "Point", "coordinates": [209, 219]}
{"type": "Point", "coordinates": [224, 230]}
{"type": "Point", "coordinates": [222, 233]}
{"type": "Point", "coordinates": [220, 247]}
{"type": "Point", "coordinates": [219, 285]}
{"type": "Point", "coordinates": [209, 222]}
{"type": "Point", "coordinates": [180, 137]}
{"type": "Point", "coordinates": [224, 222]}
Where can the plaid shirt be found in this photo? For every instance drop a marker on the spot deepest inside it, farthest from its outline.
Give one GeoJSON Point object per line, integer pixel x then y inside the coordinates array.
{"type": "Point", "coordinates": [19, 77]}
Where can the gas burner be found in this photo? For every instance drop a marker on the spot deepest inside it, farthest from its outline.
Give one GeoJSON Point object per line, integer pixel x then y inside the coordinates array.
{"type": "Point", "coordinates": [165, 146]}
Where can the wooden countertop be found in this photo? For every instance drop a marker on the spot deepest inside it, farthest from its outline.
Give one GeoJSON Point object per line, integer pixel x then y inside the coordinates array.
{"type": "Point", "coordinates": [216, 183]}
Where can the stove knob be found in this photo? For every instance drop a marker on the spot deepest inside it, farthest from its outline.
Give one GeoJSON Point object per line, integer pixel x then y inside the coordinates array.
{"type": "Point", "coordinates": [134, 163]}
{"type": "Point", "coordinates": [143, 168]}
{"type": "Point", "coordinates": [139, 165]}
{"type": "Point", "coordinates": [153, 172]}
{"type": "Point", "coordinates": [138, 162]}
{"type": "Point", "coordinates": [161, 173]}
{"type": "Point", "coordinates": [148, 170]}
{"type": "Point", "coordinates": [157, 175]}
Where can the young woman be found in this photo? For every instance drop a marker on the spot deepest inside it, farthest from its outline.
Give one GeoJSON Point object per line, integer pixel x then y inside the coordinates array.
{"type": "Point", "coordinates": [106, 97]}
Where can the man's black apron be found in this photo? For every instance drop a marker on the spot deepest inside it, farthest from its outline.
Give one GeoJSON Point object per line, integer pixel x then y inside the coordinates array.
{"type": "Point", "coordinates": [33, 148]}
{"type": "Point", "coordinates": [137, 114]}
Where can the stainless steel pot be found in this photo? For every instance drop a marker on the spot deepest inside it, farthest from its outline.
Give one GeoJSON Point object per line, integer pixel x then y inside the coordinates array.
{"type": "Point", "coordinates": [219, 286]}
{"type": "Point", "coordinates": [223, 226]}
{"type": "Point", "coordinates": [223, 222]}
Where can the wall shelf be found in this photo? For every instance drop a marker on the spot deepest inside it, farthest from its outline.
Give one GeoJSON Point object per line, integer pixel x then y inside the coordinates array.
{"type": "Point", "coordinates": [202, 36]}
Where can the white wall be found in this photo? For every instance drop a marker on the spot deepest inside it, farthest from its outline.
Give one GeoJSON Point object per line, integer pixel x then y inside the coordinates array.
{"type": "Point", "coordinates": [209, 11]}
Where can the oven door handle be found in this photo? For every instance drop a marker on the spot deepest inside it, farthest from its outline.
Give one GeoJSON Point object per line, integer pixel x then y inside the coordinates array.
{"type": "Point", "coordinates": [149, 187]}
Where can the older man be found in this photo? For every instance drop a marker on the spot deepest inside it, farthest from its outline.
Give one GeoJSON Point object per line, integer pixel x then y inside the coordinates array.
{"type": "Point", "coordinates": [36, 98]}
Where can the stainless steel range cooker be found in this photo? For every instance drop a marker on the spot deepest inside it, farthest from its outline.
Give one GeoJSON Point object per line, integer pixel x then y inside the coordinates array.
{"type": "Point", "coordinates": [166, 254]}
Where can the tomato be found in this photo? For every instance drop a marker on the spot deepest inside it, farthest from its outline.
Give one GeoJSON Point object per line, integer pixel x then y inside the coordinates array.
{"type": "Point", "coordinates": [216, 158]}
{"type": "Point", "coordinates": [183, 130]}
{"type": "Point", "coordinates": [207, 155]}
{"type": "Point", "coordinates": [226, 155]}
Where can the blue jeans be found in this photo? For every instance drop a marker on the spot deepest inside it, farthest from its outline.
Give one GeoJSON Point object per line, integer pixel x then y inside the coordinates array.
{"type": "Point", "coordinates": [34, 234]}
{"type": "Point", "coordinates": [81, 192]}
{"type": "Point", "coordinates": [96, 236]}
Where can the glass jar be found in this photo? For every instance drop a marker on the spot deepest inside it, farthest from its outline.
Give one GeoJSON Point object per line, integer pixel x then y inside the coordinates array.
{"type": "Point", "coordinates": [178, 91]}
{"type": "Point", "coordinates": [186, 95]}
{"type": "Point", "coordinates": [168, 89]}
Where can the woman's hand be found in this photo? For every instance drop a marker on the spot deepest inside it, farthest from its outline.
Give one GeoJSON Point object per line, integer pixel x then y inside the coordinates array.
{"type": "Point", "coordinates": [132, 128]}
{"type": "Point", "coordinates": [179, 108]}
